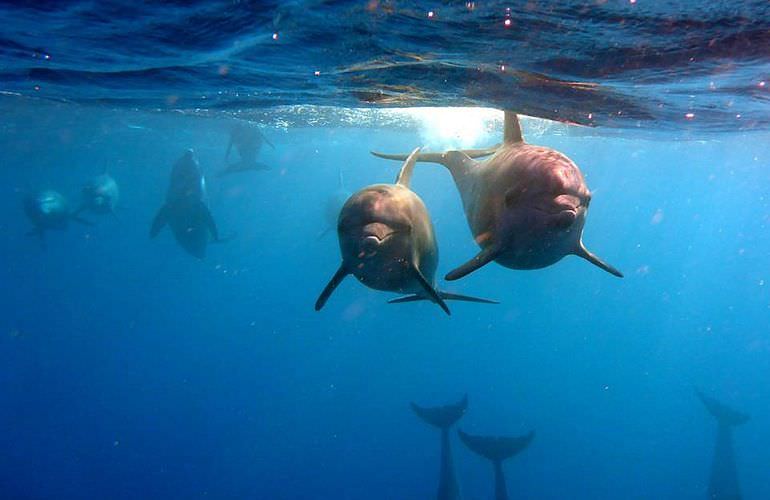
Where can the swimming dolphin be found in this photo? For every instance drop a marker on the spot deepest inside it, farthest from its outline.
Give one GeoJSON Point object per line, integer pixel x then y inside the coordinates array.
{"type": "Point", "coordinates": [444, 417]}
{"type": "Point", "coordinates": [526, 205]}
{"type": "Point", "coordinates": [100, 195]}
{"type": "Point", "coordinates": [48, 210]}
{"type": "Point", "coordinates": [497, 449]}
{"type": "Point", "coordinates": [723, 482]}
{"type": "Point", "coordinates": [185, 210]}
{"type": "Point", "coordinates": [248, 140]}
{"type": "Point", "coordinates": [387, 242]}
{"type": "Point", "coordinates": [334, 204]}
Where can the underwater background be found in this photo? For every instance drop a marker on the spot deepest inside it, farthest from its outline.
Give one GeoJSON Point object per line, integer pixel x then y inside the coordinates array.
{"type": "Point", "coordinates": [130, 369]}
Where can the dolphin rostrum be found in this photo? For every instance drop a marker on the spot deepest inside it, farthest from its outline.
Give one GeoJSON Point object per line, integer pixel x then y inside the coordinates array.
{"type": "Point", "coordinates": [526, 205]}
{"type": "Point", "coordinates": [185, 209]}
{"type": "Point", "coordinates": [723, 482]}
{"type": "Point", "coordinates": [497, 449]}
{"type": "Point", "coordinates": [387, 242]}
{"type": "Point", "coordinates": [444, 417]}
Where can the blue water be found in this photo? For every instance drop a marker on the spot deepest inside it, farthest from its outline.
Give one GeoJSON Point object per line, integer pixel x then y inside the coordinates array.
{"type": "Point", "coordinates": [129, 369]}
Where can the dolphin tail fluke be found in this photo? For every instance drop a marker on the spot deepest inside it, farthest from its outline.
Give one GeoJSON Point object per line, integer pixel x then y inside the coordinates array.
{"type": "Point", "coordinates": [481, 259]}
{"type": "Point", "coordinates": [724, 414]}
{"type": "Point", "coordinates": [465, 298]}
{"type": "Point", "coordinates": [160, 220]}
{"type": "Point", "coordinates": [330, 287]}
{"type": "Point", "coordinates": [495, 448]}
{"type": "Point", "coordinates": [442, 417]}
{"type": "Point", "coordinates": [583, 252]}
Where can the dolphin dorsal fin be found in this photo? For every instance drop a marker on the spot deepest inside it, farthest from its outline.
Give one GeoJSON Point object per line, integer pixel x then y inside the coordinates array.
{"type": "Point", "coordinates": [405, 174]}
{"type": "Point", "coordinates": [512, 129]}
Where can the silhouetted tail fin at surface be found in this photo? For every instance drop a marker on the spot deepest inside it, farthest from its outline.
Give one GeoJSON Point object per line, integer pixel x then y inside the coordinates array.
{"type": "Point", "coordinates": [442, 417]}
{"type": "Point", "coordinates": [724, 414]}
{"type": "Point", "coordinates": [496, 448]}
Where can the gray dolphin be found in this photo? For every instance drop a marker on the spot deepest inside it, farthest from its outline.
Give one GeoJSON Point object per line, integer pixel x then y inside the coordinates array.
{"type": "Point", "coordinates": [444, 417]}
{"type": "Point", "coordinates": [723, 481]}
{"type": "Point", "coordinates": [248, 140]}
{"type": "Point", "coordinates": [47, 210]}
{"type": "Point", "coordinates": [185, 209]}
{"type": "Point", "coordinates": [100, 195]}
{"type": "Point", "coordinates": [497, 449]}
{"type": "Point", "coordinates": [526, 205]}
{"type": "Point", "coordinates": [387, 242]}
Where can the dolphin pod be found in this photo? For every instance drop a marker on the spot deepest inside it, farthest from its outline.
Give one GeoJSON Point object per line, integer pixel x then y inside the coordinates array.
{"type": "Point", "coordinates": [185, 210]}
{"type": "Point", "coordinates": [525, 205]}
{"type": "Point", "coordinates": [443, 417]}
{"type": "Point", "coordinates": [723, 481]}
{"type": "Point", "coordinates": [387, 242]}
{"type": "Point", "coordinates": [497, 449]}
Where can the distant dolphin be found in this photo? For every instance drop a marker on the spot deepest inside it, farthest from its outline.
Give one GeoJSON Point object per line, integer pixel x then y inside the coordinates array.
{"type": "Point", "coordinates": [48, 210]}
{"type": "Point", "coordinates": [723, 483]}
{"type": "Point", "coordinates": [185, 210]}
{"type": "Point", "coordinates": [248, 140]}
{"type": "Point", "coordinates": [526, 205]}
{"type": "Point", "coordinates": [334, 204]}
{"type": "Point", "coordinates": [444, 417]}
{"type": "Point", "coordinates": [497, 449]}
{"type": "Point", "coordinates": [387, 242]}
{"type": "Point", "coordinates": [100, 195]}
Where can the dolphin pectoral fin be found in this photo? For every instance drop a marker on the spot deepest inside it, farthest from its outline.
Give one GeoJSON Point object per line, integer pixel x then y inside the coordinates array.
{"type": "Point", "coordinates": [160, 220]}
{"type": "Point", "coordinates": [465, 298]}
{"type": "Point", "coordinates": [583, 252]}
{"type": "Point", "coordinates": [330, 287]}
{"type": "Point", "coordinates": [431, 292]}
{"type": "Point", "coordinates": [407, 298]}
{"type": "Point", "coordinates": [483, 258]}
{"type": "Point", "coordinates": [209, 221]}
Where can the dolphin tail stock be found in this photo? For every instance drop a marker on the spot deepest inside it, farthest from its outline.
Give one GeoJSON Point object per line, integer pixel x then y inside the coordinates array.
{"type": "Point", "coordinates": [723, 413]}
{"type": "Point", "coordinates": [583, 252]}
{"type": "Point", "coordinates": [330, 287]}
{"type": "Point", "coordinates": [442, 417]}
{"type": "Point", "coordinates": [496, 449]}
{"type": "Point", "coordinates": [160, 220]}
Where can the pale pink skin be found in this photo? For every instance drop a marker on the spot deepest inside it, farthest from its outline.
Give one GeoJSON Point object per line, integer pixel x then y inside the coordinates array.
{"type": "Point", "coordinates": [531, 201]}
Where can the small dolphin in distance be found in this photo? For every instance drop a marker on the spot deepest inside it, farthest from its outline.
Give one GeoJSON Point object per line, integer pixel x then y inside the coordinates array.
{"type": "Point", "coordinates": [49, 210]}
{"type": "Point", "coordinates": [525, 205]}
{"type": "Point", "coordinates": [100, 195]}
{"type": "Point", "coordinates": [185, 210]}
{"type": "Point", "coordinates": [387, 242]}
